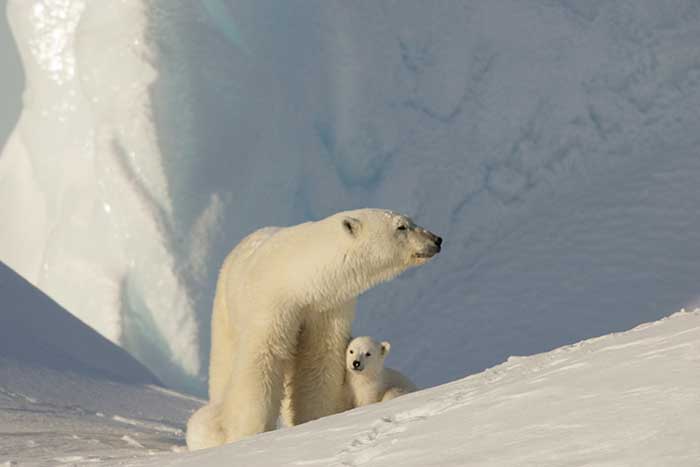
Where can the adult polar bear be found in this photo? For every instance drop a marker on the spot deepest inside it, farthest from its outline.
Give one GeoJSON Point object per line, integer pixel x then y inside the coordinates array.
{"type": "Point", "coordinates": [283, 311]}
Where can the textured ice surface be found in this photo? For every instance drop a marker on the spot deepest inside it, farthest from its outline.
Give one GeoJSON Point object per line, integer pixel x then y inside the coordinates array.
{"type": "Point", "coordinates": [553, 144]}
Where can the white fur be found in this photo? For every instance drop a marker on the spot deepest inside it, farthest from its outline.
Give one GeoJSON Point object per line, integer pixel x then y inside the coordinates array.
{"type": "Point", "coordinates": [283, 310]}
{"type": "Point", "coordinates": [204, 428]}
{"type": "Point", "coordinates": [367, 380]}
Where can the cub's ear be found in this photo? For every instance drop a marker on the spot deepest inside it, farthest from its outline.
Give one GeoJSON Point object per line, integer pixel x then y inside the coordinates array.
{"type": "Point", "coordinates": [352, 226]}
{"type": "Point", "coordinates": [386, 346]}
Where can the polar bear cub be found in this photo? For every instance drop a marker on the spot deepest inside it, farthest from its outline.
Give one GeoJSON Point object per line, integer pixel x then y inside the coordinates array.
{"type": "Point", "coordinates": [367, 380]}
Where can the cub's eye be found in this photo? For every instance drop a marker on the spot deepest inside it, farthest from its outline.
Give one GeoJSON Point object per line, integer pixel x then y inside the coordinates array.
{"type": "Point", "coordinates": [352, 351]}
{"type": "Point", "coordinates": [401, 227]}
{"type": "Point", "coordinates": [368, 354]}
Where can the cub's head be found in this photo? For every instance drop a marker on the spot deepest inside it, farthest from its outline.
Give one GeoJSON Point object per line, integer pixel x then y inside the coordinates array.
{"type": "Point", "coordinates": [381, 244]}
{"type": "Point", "coordinates": [366, 356]}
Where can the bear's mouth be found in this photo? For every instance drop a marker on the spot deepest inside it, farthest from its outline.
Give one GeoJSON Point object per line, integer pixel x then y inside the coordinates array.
{"type": "Point", "coordinates": [427, 253]}
{"type": "Point", "coordinates": [424, 255]}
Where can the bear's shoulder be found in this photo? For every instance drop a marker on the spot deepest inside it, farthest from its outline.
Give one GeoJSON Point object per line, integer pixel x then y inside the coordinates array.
{"type": "Point", "coordinates": [250, 244]}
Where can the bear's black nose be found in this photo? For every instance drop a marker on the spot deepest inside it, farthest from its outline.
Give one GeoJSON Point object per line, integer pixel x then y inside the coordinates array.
{"type": "Point", "coordinates": [438, 241]}
{"type": "Point", "coordinates": [355, 364]}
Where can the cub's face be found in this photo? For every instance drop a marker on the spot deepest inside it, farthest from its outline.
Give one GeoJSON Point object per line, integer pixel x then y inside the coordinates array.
{"type": "Point", "coordinates": [389, 240]}
{"type": "Point", "coordinates": [366, 356]}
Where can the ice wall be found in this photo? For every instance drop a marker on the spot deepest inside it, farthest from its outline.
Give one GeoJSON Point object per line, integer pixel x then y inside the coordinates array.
{"type": "Point", "coordinates": [553, 144]}
{"type": "Point", "coordinates": [11, 79]}
{"type": "Point", "coordinates": [83, 186]}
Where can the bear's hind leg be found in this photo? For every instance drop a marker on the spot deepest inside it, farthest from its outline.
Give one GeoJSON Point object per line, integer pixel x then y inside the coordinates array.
{"type": "Point", "coordinates": [252, 401]}
{"type": "Point", "coordinates": [204, 428]}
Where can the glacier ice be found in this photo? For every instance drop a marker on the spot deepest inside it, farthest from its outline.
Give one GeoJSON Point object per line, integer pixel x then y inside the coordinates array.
{"type": "Point", "coordinates": [552, 144]}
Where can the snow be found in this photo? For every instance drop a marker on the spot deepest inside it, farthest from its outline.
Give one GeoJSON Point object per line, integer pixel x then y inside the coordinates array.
{"type": "Point", "coordinates": [553, 144]}
{"type": "Point", "coordinates": [627, 399]}
{"type": "Point", "coordinates": [35, 330]}
{"type": "Point", "coordinates": [70, 396]}
{"type": "Point", "coordinates": [623, 399]}
{"type": "Point", "coordinates": [49, 417]}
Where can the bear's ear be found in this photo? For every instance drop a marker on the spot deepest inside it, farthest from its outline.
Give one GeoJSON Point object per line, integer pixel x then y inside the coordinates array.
{"type": "Point", "coordinates": [386, 346]}
{"type": "Point", "coordinates": [351, 225]}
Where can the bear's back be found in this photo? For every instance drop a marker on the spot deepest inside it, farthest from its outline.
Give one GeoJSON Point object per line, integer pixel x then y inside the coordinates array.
{"type": "Point", "coordinates": [250, 244]}
{"type": "Point", "coordinates": [395, 379]}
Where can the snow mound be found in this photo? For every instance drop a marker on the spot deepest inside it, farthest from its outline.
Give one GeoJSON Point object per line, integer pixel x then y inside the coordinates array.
{"type": "Point", "coordinates": [628, 399]}
{"type": "Point", "coordinates": [37, 332]}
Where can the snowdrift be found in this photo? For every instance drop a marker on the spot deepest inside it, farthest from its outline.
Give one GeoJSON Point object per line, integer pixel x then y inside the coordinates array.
{"type": "Point", "coordinates": [626, 399]}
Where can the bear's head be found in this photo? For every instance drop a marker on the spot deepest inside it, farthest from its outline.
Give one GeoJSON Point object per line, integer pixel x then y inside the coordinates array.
{"type": "Point", "coordinates": [380, 244]}
{"type": "Point", "coordinates": [352, 251]}
{"type": "Point", "coordinates": [366, 356]}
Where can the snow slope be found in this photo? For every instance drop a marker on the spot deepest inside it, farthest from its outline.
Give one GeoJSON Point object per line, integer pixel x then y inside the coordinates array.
{"type": "Point", "coordinates": [628, 399]}
{"type": "Point", "coordinates": [50, 417]}
{"type": "Point", "coordinates": [552, 143]}
{"type": "Point", "coordinates": [35, 330]}
{"type": "Point", "coordinates": [68, 395]}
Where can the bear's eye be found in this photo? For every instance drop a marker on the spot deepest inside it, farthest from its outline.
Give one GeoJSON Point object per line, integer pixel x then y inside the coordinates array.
{"type": "Point", "coordinates": [368, 354]}
{"type": "Point", "coordinates": [352, 351]}
{"type": "Point", "coordinates": [401, 227]}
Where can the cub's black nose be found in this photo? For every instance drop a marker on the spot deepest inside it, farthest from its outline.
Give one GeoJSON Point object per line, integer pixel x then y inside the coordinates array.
{"type": "Point", "coordinates": [438, 241]}
{"type": "Point", "coordinates": [355, 364]}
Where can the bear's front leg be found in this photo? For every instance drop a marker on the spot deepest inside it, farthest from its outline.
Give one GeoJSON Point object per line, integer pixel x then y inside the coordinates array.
{"type": "Point", "coordinates": [253, 397]}
{"type": "Point", "coordinates": [316, 382]}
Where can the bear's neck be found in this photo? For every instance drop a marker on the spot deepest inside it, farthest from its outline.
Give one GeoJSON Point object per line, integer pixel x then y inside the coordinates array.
{"type": "Point", "coordinates": [334, 288]}
{"type": "Point", "coordinates": [325, 288]}
{"type": "Point", "coordinates": [340, 276]}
